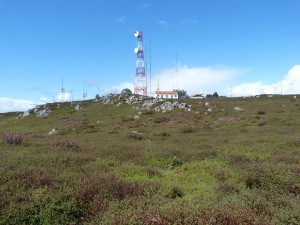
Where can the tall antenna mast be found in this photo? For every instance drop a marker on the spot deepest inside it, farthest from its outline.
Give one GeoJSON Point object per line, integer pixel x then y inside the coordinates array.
{"type": "Point", "coordinates": [62, 90]}
{"type": "Point", "coordinates": [140, 83]}
{"type": "Point", "coordinates": [176, 72]}
{"type": "Point", "coordinates": [84, 94]}
{"type": "Point", "coordinates": [150, 68]}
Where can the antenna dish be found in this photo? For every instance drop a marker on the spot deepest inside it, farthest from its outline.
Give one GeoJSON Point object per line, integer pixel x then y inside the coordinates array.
{"type": "Point", "coordinates": [136, 34]}
{"type": "Point", "coordinates": [136, 50]}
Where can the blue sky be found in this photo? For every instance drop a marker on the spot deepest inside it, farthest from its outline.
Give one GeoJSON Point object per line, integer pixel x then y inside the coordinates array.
{"type": "Point", "coordinates": [238, 47]}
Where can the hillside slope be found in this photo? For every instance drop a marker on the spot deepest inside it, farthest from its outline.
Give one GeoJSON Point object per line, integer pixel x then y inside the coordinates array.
{"type": "Point", "coordinates": [119, 161]}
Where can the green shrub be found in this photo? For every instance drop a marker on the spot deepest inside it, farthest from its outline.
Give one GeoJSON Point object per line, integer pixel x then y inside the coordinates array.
{"type": "Point", "coordinates": [175, 192]}
{"type": "Point", "coordinates": [176, 162]}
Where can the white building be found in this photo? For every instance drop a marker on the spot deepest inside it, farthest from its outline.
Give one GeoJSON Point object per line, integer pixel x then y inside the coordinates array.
{"type": "Point", "coordinates": [197, 96]}
{"type": "Point", "coordinates": [166, 94]}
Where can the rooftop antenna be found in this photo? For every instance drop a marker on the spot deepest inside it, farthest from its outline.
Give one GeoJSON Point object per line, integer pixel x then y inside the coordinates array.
{"type": "Point", "coordinates": [140, 83]}
{"type": "Point", "coordinates": [158, 84]}
{"type": "Point", "coordinates": [62, 90]}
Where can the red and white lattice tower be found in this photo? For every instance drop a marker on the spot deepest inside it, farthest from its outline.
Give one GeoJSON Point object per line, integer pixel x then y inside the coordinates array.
{"type": "Point", "coordinates": [140, 83]}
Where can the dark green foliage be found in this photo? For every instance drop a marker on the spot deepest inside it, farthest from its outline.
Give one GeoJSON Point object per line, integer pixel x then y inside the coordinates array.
{"type": "Point", "coordinates": [176, 161]}
{"type": "Point", "coordinates": [182, 94]}
{"type": "Point", "coordinates": [214, 95]}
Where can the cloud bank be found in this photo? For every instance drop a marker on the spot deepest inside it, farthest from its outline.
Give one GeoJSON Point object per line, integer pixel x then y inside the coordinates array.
{"type": "Point", "coordinates": [289, 85]}
{"type": "Point", "coordinates": [65, 97]}
{"type": "Point", "coordinates": [194, 79]}
{"type": "Point", "coordinates": [12, 105]}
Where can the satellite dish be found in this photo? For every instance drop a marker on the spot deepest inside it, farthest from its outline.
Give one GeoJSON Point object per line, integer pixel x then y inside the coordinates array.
{"type": "Point", "coordinates": [136, 50]}
{"type": "Point", "coordinates": [136, 34]}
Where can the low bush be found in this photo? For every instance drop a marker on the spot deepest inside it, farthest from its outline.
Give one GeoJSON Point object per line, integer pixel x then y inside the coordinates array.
{"type": "Point", "coordinates": [261, 112]}
{"type": "Point", "coordinates": [187, 130]}
{"type": "Point", "coordinates": [13, 138]}
{"type": "Point", "coordinates": [261, 122]}
{"type": "Point", "coordinates": [135, 136]}
{"type": "Point", "coordinates": [153, 172]}
{"type": "Point", "coordinates": [175, 192]}
{"type": "Point", "coordinates": [176, 162]}
{"type": "Point", "coordinates": [66, 144]}
{"type": "Point", "coordinates": [162, 134]}
{"type": "Point", "coordinates": [162, 119]}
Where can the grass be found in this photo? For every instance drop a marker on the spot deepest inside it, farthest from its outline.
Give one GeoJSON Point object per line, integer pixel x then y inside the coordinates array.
{"type": "Point", "coordinates": [105, 167]}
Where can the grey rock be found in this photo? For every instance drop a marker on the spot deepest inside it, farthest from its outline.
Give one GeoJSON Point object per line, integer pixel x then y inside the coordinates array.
{"type": "Point", "coordinates": [78, 107]}
{"type": "Point", "coordinates": [53, 131]}
{"type": "Point", "coordinates": [183, 105]}
{"type": "Point", "coordinates": [238, 108]}
{"type": "Point", "coordinates": [43, 113]}
{"type": "Point", "coordinates": [27, 113]}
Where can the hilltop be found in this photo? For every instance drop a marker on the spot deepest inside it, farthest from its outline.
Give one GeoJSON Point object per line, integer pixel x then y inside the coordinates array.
{"type": "Point", "coordinates": [134, 160]}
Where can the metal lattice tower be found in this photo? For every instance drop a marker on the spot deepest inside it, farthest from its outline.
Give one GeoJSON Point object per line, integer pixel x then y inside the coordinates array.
{"type": "Point", "coordinates": [62, 91]}
{"type": "Point", "coordinates": [140, 83]}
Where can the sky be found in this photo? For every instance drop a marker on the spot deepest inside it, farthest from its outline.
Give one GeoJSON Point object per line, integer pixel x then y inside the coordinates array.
{"type": "Point", "coordinates": [233, 47]}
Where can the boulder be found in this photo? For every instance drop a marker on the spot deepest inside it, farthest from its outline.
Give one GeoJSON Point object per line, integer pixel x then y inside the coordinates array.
{"type": "Point", "coordinates": [238, 108]}
{"type": "Point", "coordinates": [43, 113]}
{"type": "Point", "coordinates": [27, 113]}
{"type": "Point", "coordinates": [53, 131]}
{"type": "Point", "coordinates": [78, 107]}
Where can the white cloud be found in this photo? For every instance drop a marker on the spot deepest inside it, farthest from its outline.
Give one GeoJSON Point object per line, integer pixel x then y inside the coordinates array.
{"type": "Point", "coordinates": [144, 6]}
{"type": "Point", "coordinates": [43, 99]}
{"type": "Point", "coordinates": [195, 79]}
{"type": "Point", "coordinates": [188, 21]}
{"type": "Point", "coordinates": [11, 105]}
{"type": "Point", "coordinates": [122, 19]}
{"type": "Point", "coordinates": [65, 97]}
{"type": "Point", "coordinates": [118, 88]}
{"type": "Point", "coordinates": [163, 22]}
{"type": "Point", "coordinates": [289, 85]}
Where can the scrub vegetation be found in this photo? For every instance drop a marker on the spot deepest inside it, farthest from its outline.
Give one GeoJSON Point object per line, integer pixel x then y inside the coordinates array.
{"type": "Point", "coordinates": [217, 166]}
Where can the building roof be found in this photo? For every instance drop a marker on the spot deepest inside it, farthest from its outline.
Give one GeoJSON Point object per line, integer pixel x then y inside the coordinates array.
{"type": "Point", "coordinates": [166, 92]}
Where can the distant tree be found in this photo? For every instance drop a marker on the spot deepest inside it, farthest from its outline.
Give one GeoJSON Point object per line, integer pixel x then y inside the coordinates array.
{"type": "Point", "coordinates": [214, 95]}
{"type": "Point", "coordinates": [97, 96]}
{"type": "Point", "coordinates": [126, 91]}
{"type": "Point", "coordinates": [182, 94]}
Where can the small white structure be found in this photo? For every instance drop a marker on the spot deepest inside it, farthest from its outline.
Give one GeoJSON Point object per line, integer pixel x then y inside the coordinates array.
{"type": "Point", "coordinates": [166, 94]}
{"type": "Point", "coordinates": [197, 96]}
